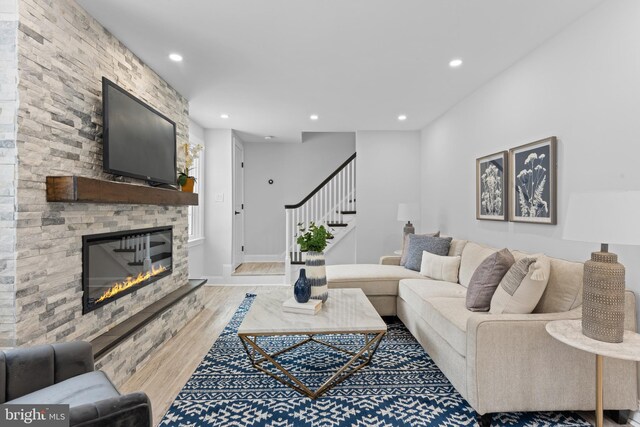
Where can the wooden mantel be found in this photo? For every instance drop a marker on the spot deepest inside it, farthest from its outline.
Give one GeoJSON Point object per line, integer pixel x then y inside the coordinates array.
{"type": "Point", "coordinates": [77, 189]}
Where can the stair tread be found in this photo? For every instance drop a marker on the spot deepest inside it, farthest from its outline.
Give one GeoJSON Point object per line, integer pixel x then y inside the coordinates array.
{"type": "Point", "coordinates": [337, 224]}
{"type": "Point", "coordinates": [348, 212]}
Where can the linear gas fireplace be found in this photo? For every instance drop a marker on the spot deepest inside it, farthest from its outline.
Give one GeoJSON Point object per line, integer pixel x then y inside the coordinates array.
{"type": "Point", "coordinates": [116, 264]}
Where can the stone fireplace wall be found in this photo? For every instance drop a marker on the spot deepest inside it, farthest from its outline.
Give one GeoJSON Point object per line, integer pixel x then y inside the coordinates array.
{"type": "Point", "coordinates": [62, 55]}
{"type": "Point", "coordinates": [8, 110]}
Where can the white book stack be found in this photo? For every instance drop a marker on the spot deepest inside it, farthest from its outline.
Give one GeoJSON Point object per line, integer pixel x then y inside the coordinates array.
{"type": "Point", "coordinates": [312, 306]}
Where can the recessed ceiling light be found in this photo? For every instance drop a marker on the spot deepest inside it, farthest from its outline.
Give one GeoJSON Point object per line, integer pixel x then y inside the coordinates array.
{"type": "Point", "coordinates": [268, 137]}
{"type": "Point", "coordinates": [455, 63]}
{"type": "Point", "coordinates": [314, 117]}
{"type": "Point", "coordinates": [224, 116]}
{"type": "Point", "coordinates": [175, 57]}
{"type": "Point", "coordinates": [402, 117]}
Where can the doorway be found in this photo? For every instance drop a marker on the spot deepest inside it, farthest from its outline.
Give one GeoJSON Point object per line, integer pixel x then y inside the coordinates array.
{"type": "Point", "coordinates": [238, 204]}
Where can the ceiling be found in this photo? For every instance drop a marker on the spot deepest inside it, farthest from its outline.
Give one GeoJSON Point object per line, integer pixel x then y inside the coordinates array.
{"type": "Point", "coordinates": [357, 64]}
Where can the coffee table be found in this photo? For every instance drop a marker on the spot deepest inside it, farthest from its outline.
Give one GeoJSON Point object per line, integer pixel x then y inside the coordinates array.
{"type": "Point", "coordinates": [347, 311]}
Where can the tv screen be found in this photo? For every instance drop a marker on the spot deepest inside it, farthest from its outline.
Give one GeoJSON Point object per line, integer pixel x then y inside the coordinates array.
{"type": "Point", "coordinates": [139, 141]}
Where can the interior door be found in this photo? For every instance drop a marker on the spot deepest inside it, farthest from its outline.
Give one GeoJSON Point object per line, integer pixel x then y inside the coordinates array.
{"type": "Point", "coordinates": [238, 204]}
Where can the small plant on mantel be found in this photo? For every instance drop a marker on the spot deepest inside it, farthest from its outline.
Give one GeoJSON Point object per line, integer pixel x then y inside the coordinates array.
{"type": "Point", "coordinates": [191, 153]}
{"type": "Point", "coordinates": [314, 238]}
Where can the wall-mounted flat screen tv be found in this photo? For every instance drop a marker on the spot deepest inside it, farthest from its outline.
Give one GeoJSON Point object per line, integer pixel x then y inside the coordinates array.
{"type": "Point", "coordinates": [139, 141]}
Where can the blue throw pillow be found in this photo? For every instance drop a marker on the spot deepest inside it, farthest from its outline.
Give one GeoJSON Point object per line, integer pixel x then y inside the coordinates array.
{"type": "Point", "coordinates": [417, 244]}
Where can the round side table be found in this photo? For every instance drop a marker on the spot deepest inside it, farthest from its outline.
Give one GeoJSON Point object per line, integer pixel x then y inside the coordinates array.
{"type": "Point", "coordinates": [570, 333]}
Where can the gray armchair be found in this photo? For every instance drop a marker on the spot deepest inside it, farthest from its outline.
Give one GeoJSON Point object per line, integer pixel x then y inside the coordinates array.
{"type": "Point", "coordinates": [65, 374]}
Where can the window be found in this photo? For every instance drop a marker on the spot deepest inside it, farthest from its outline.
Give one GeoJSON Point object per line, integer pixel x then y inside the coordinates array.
{"type": "Point", "coordinates": [195, 214]}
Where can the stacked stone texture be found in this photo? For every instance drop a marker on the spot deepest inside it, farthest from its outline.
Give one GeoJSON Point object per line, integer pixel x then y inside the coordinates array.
{"type": "Point", "coordinates": [134, 352]}
{"type": "Point", "coordinates": [8, 115]}
{"type": "Point", "coordinates": [63, 53]}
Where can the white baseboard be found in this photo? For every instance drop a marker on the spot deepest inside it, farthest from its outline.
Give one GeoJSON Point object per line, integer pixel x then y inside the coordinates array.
{"type": "Point", "coordinates": [264, 258]}
{"type": "Point", "coordinates": [212, 280]}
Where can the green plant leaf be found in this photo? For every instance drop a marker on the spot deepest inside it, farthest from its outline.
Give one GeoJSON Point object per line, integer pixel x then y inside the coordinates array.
{"type": "Point", "coordinates": [313, 238]}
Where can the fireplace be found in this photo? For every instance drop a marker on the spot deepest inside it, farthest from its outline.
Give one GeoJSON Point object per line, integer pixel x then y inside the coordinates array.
{"type": "Point", "coordinates": [116, 264]}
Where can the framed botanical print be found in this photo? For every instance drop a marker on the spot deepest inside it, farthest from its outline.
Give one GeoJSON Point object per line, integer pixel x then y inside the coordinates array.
{"type": "Point", "coordinates": [533, 186]}
{"type": "Point", "coordinates": [491, 187]}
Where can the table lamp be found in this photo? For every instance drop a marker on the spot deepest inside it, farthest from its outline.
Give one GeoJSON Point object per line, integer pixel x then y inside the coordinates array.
{"type": "Point", "coordinates": [408, 212]}
{"type": "Point", "coordinates": [603, 217]}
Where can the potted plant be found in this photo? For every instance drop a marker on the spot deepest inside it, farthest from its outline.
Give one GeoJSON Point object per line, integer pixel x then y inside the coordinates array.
{"type": "Point", "coordinates": [313, 241]}
{"type": "Point", "coordinates": [191, 152]}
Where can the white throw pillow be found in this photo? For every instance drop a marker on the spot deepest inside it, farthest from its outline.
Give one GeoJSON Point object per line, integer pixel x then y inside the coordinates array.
{"type": "Point", "coordinates": [439, 267]}
{"type": "Point", "coordinates": [520, 290]}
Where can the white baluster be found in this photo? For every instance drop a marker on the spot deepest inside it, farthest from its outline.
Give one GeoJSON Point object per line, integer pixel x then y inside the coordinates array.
{"type": "Point", "coordinates": [334, 189]}
{"type": "Point", "coordinates": [287, 243]}
{"type": "Point", "coordinates": [353, 185]}
{"type": "Point", "coordinates": [340, 195]}
{"type": "Point", "coordinates": [348, 186]}
{"type": "Point", "coordinates": [315, 207]}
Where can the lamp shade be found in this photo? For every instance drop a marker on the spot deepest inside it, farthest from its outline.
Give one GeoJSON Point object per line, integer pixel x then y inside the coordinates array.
{"type": "Point", "coordinates": [604, 217]}
{"type": "Point", "coordinates": [408, 211]}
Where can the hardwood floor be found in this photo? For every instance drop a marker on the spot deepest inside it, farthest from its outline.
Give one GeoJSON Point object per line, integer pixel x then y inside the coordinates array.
{"type": "Point", "coordinates": [167, 372]}
{"type": "Point", "coordinates": [260, 269]}
{"type": "Point", "coordinates": [170, 368]}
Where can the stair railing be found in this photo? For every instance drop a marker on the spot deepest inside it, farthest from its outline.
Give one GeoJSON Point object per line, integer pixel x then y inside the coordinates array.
{"type": "Point", "coordinates": [326, 204]}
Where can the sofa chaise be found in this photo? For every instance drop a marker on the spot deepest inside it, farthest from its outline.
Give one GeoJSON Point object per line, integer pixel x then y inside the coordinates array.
{"type": "Point", "coordinates": [64, 374]}
{"type": "Point", "coordinates": [498, 363]}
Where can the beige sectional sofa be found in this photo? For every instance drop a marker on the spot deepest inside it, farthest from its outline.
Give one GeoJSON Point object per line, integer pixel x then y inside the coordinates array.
{"type": "Point", "coordinates": [499, 363]}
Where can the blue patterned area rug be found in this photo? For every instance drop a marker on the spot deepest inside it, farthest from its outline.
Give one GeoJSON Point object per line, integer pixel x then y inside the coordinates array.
{"type": "Point", "coordinates": [401, 387]}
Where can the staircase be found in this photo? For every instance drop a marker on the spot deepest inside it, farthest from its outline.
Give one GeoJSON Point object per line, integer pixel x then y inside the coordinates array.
{"type": "Point", "coordinates": [332, 203]}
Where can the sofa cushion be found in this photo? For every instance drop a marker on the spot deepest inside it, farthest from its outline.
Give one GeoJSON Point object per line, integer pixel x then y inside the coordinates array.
{"type": "Point", "coordinates": [373, 279]}
{"type": "Point", "coordinates": [28, 370]}
{"type": "Point", "coordinates": [564, 289]}
{"type": "Point", "coordinates": [522, 287]}
{"type": "Point", "coordinates": [456, 247]}
{"type": "Point", "coordinates": [417, 293]}
{"type": "Point", "coordinates": [486, 279]}
{"type": "Point", "coordinates": [86, 388]}
{"type": "Point", "coordinates": [405, 242]}
{"type": "Point", "coordinates": [472, 256]}
{"type": "Point", "coordinates": [440, 267]}
{"type": "Point", "coordinates": [419, 244]}
{"type": "Point", "coordinates": [442, 306]}
{"type": "Point", "coordinates": [448, 317]}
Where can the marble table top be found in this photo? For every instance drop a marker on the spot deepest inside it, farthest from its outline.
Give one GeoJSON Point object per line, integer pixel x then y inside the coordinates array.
{"type": "Point", "coordinates": [346, 311]}
{"type": "Point", "coordinates": [570, 333]}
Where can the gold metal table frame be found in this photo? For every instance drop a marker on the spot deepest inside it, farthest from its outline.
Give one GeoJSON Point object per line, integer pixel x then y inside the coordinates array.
{"type": "Point", "coordinates": [358, 360]}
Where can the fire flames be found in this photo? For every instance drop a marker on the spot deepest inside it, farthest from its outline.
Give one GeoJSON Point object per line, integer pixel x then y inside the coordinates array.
{"type": "Point", "coordinates": [130, 282]}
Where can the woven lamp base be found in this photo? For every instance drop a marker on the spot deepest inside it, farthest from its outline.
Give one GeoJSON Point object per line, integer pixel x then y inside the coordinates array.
{"type": "Point", "coordinates": [603, 299]}
{"type": "Point", "coordinates": [408, 228]}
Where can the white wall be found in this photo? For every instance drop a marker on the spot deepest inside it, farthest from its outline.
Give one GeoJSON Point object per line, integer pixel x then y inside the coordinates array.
{"type": "Point", "coordinates": [218, 201]}
{"type": "Point", "coordinates": [296, 170]}
{"type": "Point", "coordinates": [582, 86]}
{"type": "Point", "coordinates": [388, 173]}
{"type": "Point", "coordinates": [196, 249]}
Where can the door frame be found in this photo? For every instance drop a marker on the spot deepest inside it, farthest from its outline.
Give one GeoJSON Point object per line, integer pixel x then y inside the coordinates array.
{"type": "Point", "coordinates": [236, 262]}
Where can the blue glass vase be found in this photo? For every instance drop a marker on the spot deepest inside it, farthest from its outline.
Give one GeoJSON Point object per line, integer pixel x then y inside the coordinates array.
{"type": "Point", "coordinates": [302, 288]}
